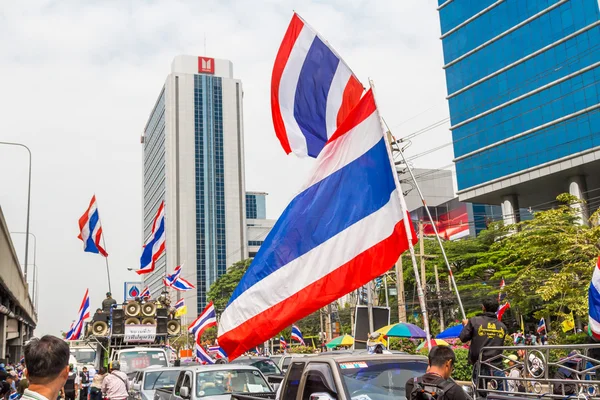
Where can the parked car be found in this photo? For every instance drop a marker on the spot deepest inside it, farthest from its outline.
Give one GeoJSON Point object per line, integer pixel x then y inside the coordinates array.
{"type": "Point", "coordinates": [266, 365]}
{"type": "Point", "coordinates": [147, 380]}
{"type": "Point", "coordinates": [217, 382]}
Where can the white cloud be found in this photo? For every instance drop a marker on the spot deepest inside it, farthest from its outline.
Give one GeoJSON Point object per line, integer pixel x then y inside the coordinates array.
{"type": "Point", "coordinates": [80, 78]}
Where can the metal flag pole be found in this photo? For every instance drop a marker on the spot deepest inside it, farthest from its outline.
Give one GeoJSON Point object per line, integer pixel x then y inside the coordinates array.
{"type": "Point", "coordinates": [106, 259]}
{"type": "Point", "coordinates": [437, 235]}
{"type": "Point", "coordinates": [407, 227]}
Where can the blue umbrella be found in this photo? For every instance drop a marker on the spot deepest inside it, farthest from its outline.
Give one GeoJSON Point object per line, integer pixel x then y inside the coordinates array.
{"type": "Point", "coordinates": [450, 333]}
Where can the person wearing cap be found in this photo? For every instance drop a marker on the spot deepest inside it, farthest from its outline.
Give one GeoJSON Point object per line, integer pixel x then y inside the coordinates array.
{"type": "Point", "coordinates": [571, 362]}
{"type": "Point", "coordinates": [115, 385]}
{"type": "Point", "coordinates": [108, 302]}
{"type": "Point", "coordinates": [513, 372]}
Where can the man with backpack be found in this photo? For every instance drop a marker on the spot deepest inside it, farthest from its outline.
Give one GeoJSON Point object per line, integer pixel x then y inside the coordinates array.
{"type": "Point", "coordinates": [115, 385]}
{"type": "Point", "coordinates": [436, 383]}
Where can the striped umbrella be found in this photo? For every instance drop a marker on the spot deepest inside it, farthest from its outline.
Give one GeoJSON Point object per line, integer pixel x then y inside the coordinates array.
{"type": "Point", "coordinates": [403, 329]}
{"type": "Point", "coordinates": [432, 343]}
{"type": "Point", "coordinates": [344, 340]}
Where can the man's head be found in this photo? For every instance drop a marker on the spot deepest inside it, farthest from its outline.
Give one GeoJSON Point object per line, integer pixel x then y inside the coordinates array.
{"type": "Point", "coordinates": [84, 369]}
{"type": "Point", "coordinates": [47, 361]}
{"type": "Point", "coordinates": [490, 304]}
{"type": "Point", "coordinates": [441, 360]}
{"type": "Point", "coordinates": [115, 366]}
{"type": "Point", "coordinates": [108, 295]}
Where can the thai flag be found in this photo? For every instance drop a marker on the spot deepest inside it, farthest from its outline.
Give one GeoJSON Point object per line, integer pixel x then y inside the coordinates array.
{"type": "Point", "coordinates": [206, 319]}
{"type": "Point", "coordinates": [155, 246]}
{"type": "Point", "coordinates": [202, 356]}
{"type": "Point", "coordinates": [83, 314]}
{"type": "Point", "coordinates": [312, 90]}
{"type": "Point", "coordinates": [501, 310]}
{"type": "Point", "coordinates": [91, 230]}
{"type": "Point", "coordinates": [218, 352]}
{"type": "Point", "coordinates": [182, 285]}
{"type": "Point", "coordinates": [169, 347]}
{"type": "Point", "coordinates": [145, 292]}
{"type": "Point", "coordinates": [501, 294]}
{"type": "Point", "coordinates": [179, 304]}
{"type": "Point", "coordinates": [346, 227]}
{"type": "Point", "coordinates": [594, 302]}
{"type": "Point", "coordinates": [169, 279]}
{"type": "Point", "coordinates": [282, 343]}
{"type": "Point", "coordinates": [541, 326]}
{"type": "Point", "coordinates": [297, 334]}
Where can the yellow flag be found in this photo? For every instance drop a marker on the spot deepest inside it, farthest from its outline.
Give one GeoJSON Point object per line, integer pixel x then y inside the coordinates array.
{"type": "Point", "coordinates": [181, 311]}
{"type": "Point", "coordinates": [568, 324]}
{"type": "Point", "coordinates": [522, 325]}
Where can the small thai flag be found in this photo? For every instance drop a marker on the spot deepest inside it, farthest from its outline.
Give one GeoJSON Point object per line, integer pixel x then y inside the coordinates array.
{"type": "Point", "coordinates": [206, 319]}
{"type": "Point", "coordinates": [169, 279]}
{"type": "Point", "coordinates": [91, 230]}
{"type": "Point", "coordinates": [182, 285]}
{"type": "Point", "coordinates": [297, 335]}
{"type": "Point", "coordinates": [145, 292]}
{"type": "Point", "coordinates": [594, 302]}
{"type": "Point", "coordinates": [84, 313]}
{"type": "Point", "coordinates": [218, 352]}
{"type": "Point", "coordinates": [155, 246]}
{"type": "Point", "coordinates": [541, 326]}
{"type": "Point", "coordinates": [282, 343]}
{"type": "Point", "coordinates": [502, 310]}
{"type": "Point", "coordinates": [202, 356]}
{"type": "Point", "coordinates": [502, 294]}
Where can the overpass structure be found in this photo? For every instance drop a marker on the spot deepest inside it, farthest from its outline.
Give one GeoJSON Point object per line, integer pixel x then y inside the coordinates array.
{"type": "Point", "coordinates": [18, 316]}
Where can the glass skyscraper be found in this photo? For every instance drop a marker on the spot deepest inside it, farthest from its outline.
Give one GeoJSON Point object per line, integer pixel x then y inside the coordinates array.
{"type": "Point", "coordinates": [193, 159]}
{"type": "Point", "coordinates": [522, 79]}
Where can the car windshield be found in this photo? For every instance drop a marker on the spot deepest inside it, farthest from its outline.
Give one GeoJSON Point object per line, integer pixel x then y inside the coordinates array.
{"type": "Point", "coordinates": [132, 360]}
{"type": "Point", "coordinates": [266, 366]}
{"type": "Point", "coordinates": [379, 379]}
{"type": "Point", "coordinates": [214, 383]}
{"type": "Point", "coordinates": [160, 379]}
{"type": "Point", "coordinates": [84, 356]}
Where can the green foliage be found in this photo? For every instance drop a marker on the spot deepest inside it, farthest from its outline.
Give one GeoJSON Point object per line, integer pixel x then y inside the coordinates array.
{"type": "Point", "coordinates": [462, 369]}
{"type": "Point", "coordinates": [402, 344]}
{"type": "Point", "coordinates": [220, 292]}
{"type": "Point", "coordinates": [301, 350]}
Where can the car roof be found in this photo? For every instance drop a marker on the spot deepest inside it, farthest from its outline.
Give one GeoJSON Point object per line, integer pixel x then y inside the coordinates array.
{"type": "Point", "coordinates": [220, 367]}
{"type": "Point", "coordinates": [338, 358]}
{"type": "Point", "coordinates": [251, 358]}
{"type": "Point", "coordinates": [154, 368]}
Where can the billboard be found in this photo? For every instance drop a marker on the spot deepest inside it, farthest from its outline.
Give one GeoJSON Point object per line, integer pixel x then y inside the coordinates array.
{"type": "Point", "coordinates": [132, 290]}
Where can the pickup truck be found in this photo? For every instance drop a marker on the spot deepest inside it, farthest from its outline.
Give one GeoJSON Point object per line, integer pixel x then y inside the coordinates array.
{"type": "Point", "coordinates": [146, 381]}
{"type": "Point", "coordinates": [217, 382]}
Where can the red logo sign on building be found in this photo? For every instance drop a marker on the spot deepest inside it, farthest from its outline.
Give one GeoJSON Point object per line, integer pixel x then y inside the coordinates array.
{"type": "Point", "coordinates": [206, 65]}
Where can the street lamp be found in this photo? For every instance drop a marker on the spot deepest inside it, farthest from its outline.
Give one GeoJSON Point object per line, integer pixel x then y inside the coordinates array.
{"type": "Point", "coordinates": [34, 262]}
{"type": "Point", "coordinates": [28, 203]}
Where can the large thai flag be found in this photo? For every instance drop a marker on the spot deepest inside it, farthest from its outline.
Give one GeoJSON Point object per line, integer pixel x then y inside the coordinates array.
{"type": "Point", "coordinates": [205, 320]}
{"type": "Point", "coordinates": [346, 227]}
{"type": "Point", "coordinates": [297, 335]}
{"type": "Point", "coordinates": [155, 246]}
{"type": "Point", "coordinates": [312, 90]}
{"type": "Point", "coordinates": [594, 302]}
{"type": "Point", "coordinates": [91, 230]}
{"type": "Point", "coordinates": [83, 314]}
{"type": "Point", "coordinates": [170, 279]}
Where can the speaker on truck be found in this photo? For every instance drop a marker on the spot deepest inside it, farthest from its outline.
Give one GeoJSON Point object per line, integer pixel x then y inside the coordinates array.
{"type": "Point", "coordinates": [162, 312]}
{"type": "Point", "coordinates": [161, 326]}
{"type": "Point", "coordinates": [118, 327]}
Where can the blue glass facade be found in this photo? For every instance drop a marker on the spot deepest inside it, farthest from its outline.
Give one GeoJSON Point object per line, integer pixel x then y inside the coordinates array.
{"type": "Point", "coordinates": [256, 206]}
{"type": "Point", "coordinates": [211, 251]}
{"type": "Point", "coordinates": [522, 79]}
{"type": "Point", "coordinates": [154, 182]}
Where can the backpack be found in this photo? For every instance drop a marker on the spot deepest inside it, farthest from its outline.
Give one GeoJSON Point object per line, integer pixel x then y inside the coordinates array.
{"type": "Point", "coordinates": [429, 391]}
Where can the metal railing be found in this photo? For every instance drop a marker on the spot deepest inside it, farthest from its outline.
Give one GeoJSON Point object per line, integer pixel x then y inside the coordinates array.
{"type": "Point", "coordinates": [549, 371]}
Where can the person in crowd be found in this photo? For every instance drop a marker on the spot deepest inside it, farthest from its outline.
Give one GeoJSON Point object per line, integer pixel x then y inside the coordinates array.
{"type": "Point", "coordinates": [108, 302]}
{"type": "Point", "coordinates": [2, 367]}
{"type": "Point", "coordinates": [70, 389]}
{"type": "Point", "coordinates": [47, 371]}
{"type": "Point", "coordinates": [115, 385]}
{"type": "Point", "coordinates": [83, 383]}
{"type": "Point", "coordinates": [12, 380]}
{"type": "Point", "coordinates": [565, 373]}
{"type": "Point", "coordinates": [4, 385]}
{"type": "Point", "coordinates": [22, 385]}
{"type": "Point", "coordinates": [514, 371]}
{"type": "Point", "coordinates": [485, 330]}
{"type": "Point", "coordinates": [96, 386]}
{"type": "Point", "coordinates": [436, 380]}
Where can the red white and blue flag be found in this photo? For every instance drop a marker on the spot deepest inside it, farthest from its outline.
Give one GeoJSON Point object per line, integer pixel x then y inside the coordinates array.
{"type": "Point", "coordinates": [202, 356]}
{"type": "Point", "coordinates": [315, 253]}
{"type": "Point", "coordinates": [83, 314]}
{"type": "Point", "coordinates": [297, 335]}
{"type": "Point", "coordinates": [541, 325]}
{"type": "Point", "coordinates": [91, 230]}
{"type": "Point", "coordinates": [594, 303]}
{"type": "Point", "coordinates": [501, 294]}
{"type": "Point", "coordinates": [155, 246]}
{"type": "Point", "coordinates": [218, 352]}
{"type": "Point", "coordinates": [182, 285]}
{"type": "Point", "coordinates": [205, 320]}
{"type": "Point", "coordinates": [145, 292]}
{"type": "Point", "coordinates": [282, 343]}
{"type": "Point", "coordinates": [179, 304]}
{"type": "Point", "coordinates": [312, 90]}
{"type": "Point", "coordinates": [501, 310]}
{"type": "Point", "coordinates": [170, 279]}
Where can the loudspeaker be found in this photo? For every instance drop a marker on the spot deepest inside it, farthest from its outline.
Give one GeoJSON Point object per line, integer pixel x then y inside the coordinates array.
{"type": "Point", "coordinates": [117, 321]}
{"type": "Point", "coordinates": [132, 321]}
{"type": "Point", "coordinates": [99, 328]}
{"type": "Point", "coordinates": [132, 309]}
{"type": "Point", "coordinates": [162, 312]}
{"type": "Point", "coordinates": [173, 327]}
{"type": "Point", "coordinates": [148, 309]}
{"type": "Point", "coordinates": [101, 316]}
{"type": "Point", "coordinates": [148, 321]}
{"type": "Point", "coordinates": [161, 326]}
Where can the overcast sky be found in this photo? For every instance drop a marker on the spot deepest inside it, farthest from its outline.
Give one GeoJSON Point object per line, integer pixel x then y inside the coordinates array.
{"type": "Point", "coordinates": [79, 79]}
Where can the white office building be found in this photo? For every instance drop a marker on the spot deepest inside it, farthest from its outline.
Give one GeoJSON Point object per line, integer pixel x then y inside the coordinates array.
{"type": "Point", "coordinates": [193, 150]}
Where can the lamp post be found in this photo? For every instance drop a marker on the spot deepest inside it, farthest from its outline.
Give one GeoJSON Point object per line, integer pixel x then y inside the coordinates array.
{"type": "Point", "coordinates": [34, 296]}
{"type": "Point", "coordinates": [28, 203]}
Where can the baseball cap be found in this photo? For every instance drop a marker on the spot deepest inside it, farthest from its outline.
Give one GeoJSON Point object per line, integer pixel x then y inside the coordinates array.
{"type": "Point", "coordinates": [511, 357]}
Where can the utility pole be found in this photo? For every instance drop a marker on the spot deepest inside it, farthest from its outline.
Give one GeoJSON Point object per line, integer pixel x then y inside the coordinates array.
{"type": "Point", "coordinates": [321, 332]}
{"type": "Point", "coordinates": [329, 330]}
{"type": "Point", "coordinates": [422, 255]}
{"type": "Point", "coordinates": [400, 290]}
{"type": "Point", "coordinates": [439, 297]}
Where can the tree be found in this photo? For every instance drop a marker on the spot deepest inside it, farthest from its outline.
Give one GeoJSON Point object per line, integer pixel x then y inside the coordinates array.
{"type": "Point", "coordinates": [221, 290]}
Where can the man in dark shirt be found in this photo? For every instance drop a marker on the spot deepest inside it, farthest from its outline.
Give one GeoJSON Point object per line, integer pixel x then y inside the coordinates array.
{"type": "Point", "coordinates": [437, 378]}
{"type": "Point", "coordinates": [108, 302]}
{"type": "Point", "coordinates": [482, 331]}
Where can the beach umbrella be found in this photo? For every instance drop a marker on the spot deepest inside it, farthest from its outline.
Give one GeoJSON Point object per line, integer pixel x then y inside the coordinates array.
{"type": "Point", "coordinates": [403, 329]}
{"type": "Point", "coordinates": [451, 333]}
{"type": "Point", "coordinates": [344, 340]}
{"type": "Point", "coordinates": [432, 343]}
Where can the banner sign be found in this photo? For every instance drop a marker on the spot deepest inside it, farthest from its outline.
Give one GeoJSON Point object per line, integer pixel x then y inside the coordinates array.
{"type": "Point", "coordinates": [139, 333]}
{"type": "Point", "coordinates": [132, 290]}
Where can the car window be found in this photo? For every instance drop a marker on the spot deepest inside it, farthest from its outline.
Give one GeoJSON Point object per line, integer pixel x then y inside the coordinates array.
{"type": "Point", "coordinates": [160, 379]}
{"type": "Point", "coordinates": [319, 378]}
{"type": "Point", "coordinates": [187, 381]}
{"type": "Point", "coordinates": [267, 367]}
{"type": "Point", "coordinates": [293, 381]}
{"type": "Point", "coordinates": [286, 362]}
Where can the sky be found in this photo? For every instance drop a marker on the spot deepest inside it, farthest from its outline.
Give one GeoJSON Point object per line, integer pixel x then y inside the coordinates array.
{"type": "Point", "coordinates": [79, 80]}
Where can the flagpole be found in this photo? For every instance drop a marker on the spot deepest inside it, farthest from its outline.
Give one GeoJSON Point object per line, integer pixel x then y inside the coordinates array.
{"type": "Point", "coordinates": [407, 228]}
{"type": "Point", "coordinates": [106, 259]}
{"type": "Point", "coordinates": [437, 235]}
